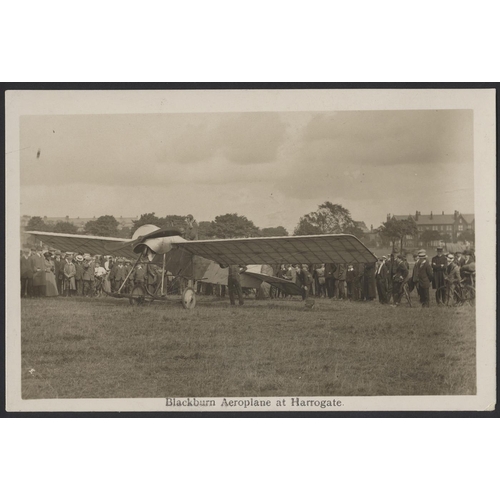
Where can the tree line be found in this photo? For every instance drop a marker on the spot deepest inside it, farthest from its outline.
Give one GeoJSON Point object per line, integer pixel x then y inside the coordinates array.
{"type": "Point", "coordinates": [329, 218]}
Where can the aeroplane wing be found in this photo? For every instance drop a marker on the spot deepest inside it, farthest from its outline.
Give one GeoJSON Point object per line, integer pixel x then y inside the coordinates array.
{"type": "Point", "coordinates": [317, 249]}
{"type": "Point", "coordinates": [95, 245]}
{"type": "Point", "coordinates": [286, 286]}
{"type": "Point", "coordinates": [211, 272]}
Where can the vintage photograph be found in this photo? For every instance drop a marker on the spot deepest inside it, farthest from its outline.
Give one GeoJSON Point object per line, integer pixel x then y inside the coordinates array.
{"type": "Point", "coordinates": [276, 250]}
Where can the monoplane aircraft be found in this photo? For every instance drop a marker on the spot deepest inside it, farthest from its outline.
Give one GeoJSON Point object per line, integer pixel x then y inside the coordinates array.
{"type": "Point", "coordinates": [207, 260]}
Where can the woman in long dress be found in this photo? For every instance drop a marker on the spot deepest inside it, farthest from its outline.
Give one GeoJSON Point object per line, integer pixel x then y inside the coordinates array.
{"type": "Point", "coordinates": [50, 277]}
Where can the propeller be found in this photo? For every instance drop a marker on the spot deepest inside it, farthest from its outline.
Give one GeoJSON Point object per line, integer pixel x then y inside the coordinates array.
{"type": "Point", "coordinates": [159, 233]}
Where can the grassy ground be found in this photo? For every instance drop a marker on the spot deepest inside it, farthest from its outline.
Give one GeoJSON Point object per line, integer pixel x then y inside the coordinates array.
{"type": "Point", "coordinates": [105, 348]}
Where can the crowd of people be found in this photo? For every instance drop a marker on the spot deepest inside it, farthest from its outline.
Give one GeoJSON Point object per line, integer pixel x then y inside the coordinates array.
{"type": "Point", "coordinates": [384, 279]}
{"type": "Point", "coordinates": [49, 274]}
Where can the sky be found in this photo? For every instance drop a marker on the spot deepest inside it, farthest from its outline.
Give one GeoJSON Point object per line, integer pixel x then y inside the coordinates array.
{"type": "Point", "coordinates": [270, 167]}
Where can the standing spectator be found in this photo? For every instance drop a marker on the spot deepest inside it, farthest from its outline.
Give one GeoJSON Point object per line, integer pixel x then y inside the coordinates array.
{"type": "Point", "coordinates": [59, 271]}
{"type": "Point", "coordinates": [100, 275]}
{"type": "Point", "coordinates": [78, 261]}
{"type": "Point", "coordinates": [459, 259]}
{"type": "Point", "coordinates": [113, 266]}
{"type": "Point", "coordinates": [468, 268]}
{"type": "Point", "coordinates": [369, 281]}
{"type": "Point", "coordinates": [130, 282]}
{"type": "Point", "coordinates": [50, 278]}
{"type": "Point", "coordinates": [139, 274]}
{"type": "Point", "coordinates": [439, 263]}
{"type": "Point", "coordinates": [411, 282]}
{"type": "Point", "coordinates": [350, 279]}
{"type": "Point", "coordinates": [27, 271]}
{"type": "Point", "coordinates": [320, 276]}
{"type": "Point", "coordinates": [452, 276]}
{"type": "Point", "coordinates": [88, 276]}
{"type": "Point", "coordinates": [234, 283]}
{"type": "Point", "coordinates": [39, 282]}
{"type": "Point", "coordinates": [339, 285]}
{"type": "Point", "coordinates": [424, 276]}
{"type": "Point", "coordinates": [305, 281]}
{"type": "Point", "coordinates": [400, 276]}
{"type": "Point", "coordinates": [382, 278]}
{"type": "Point", "coordinates": [108, 263]}
{"type": "Point", "coordinates": [298, 278]}
{"type": "Point", "coordinates": [118, 274]}
{"type": "Point", "coordinates": [281, 273]}
{"type": "Point", "coordinates": [391, 267]}
{"type": "Point", "coordinates": [69, 276]}
{"type": "Point", "coordinates": [291, 273]}
{"type": "Point", "coordinates": [329, 279]}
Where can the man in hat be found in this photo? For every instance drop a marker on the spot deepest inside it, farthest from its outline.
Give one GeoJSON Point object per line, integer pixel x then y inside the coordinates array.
{"type": "Point", "coordinates": [27, 271]}
{"type": "Point", "coordinates": [423, 275]}
{"type": "Point", "coordinates": [451, 276]}
{"type": "Point", "coordinates": [400, 275]}
{"type": "Point", "coordinates": [78, 261]}
{"type": "Point", "coordinates": [381, 278]}
{"type": "Point", "coordinates": [439, 263]}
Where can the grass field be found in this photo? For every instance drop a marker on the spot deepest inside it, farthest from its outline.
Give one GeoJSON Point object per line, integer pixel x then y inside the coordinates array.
{"type": "Point", "coordinates": [105, 348]}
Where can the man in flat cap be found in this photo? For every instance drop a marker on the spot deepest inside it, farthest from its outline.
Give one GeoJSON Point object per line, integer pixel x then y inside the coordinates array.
{"type": "Point", "coordinates": [439, 263]}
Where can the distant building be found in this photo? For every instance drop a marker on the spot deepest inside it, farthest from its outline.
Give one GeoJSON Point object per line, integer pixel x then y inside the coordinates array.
{"type": "Point", "coordinates": [370, 236]}
{"type": "Point", "coordinates": [452, 225]}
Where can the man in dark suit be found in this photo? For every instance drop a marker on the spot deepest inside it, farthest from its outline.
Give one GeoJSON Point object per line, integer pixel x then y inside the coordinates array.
{"type": "Point", "coordinates": [305, 280]}
{"type": "Point", "coordinates": [59, 264]}
{"type": "Point", "coordinates": [423, 274]}
{"type": "Point", "coordinates": [329, 279]}
{"type": "Point", "coordinates": [399, 277]}
{"type": "Point", "coordinates": [382, 277]}
{"type": "Point", "coordinates": [439, 263]}
{"type": "Point", "coordinates": [234, 283]}
{"type": "Point", "coordinates": [27, 271]}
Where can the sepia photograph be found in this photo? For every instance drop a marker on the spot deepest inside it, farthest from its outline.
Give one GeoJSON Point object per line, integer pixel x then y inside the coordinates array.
{"type": "Point", "coordinates": [251, 250]}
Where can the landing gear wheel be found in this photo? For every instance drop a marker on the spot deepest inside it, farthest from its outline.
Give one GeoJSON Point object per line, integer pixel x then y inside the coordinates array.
{"type": "Point", "coordinates": [188, 298]}
{"type": "Point", "coordinates": [138, 295]}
